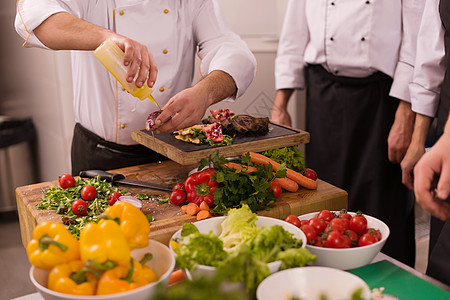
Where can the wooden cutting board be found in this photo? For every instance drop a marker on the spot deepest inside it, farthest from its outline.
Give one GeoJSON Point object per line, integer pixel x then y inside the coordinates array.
{"type": "Point", "coordinates": [168, 218]}
{"type": "Point", "coordinates": [188, 153]}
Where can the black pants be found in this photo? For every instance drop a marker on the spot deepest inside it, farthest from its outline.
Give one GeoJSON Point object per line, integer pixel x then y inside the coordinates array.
{"type": "Point", "coordinates": [349, 120]}
{"type": "Point", "coordinates": [91, 152]}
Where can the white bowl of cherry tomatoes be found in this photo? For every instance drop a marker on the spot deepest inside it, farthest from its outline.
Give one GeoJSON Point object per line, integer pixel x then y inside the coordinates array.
{"type": "Point", "coordinates": [341, 239]}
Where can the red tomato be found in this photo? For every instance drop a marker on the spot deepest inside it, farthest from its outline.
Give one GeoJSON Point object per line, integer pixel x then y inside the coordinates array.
{"type": "Point", "coordinates": [375, 232]}
{"type": "Point", "coordinates": [309, 232]}
{"type": "Point", "coordinates": [358, 224]}
{"type": "Point", "coordinates": [79, 207]}
{"type": "Point", "coordinates": [113, 198]}
{"type": "Point", "coordinates": [318, 241]}
{"type": "Point", "coordinates": [276, 188]}
{"type": "Point", "coordinates": [319, 225]}
{"type": "Point", "coordinates": [353, 237]}
{"type": "Point", "coordinates": [303, 222]}
{"type": "Point", "coordinates": [325, 215]}
{"type": "Point", "coordinates": [66, 181]}
{"type": "Point", "coordinates": [178, 197]}
{"type": "Point", "coordinates": [178, 186]}
{"type": "Point", "coordinates": [366, 239]}
{"type": "Point", "coordinates": [336, 239]}
{"type": "Point", "coordinates": [344, 215]}
{"type": "Point", "coordinates": [338, 224]}
{"type": "Point", "coordinates": [88, 192]}
{"type": "Point", "coordinates": [294, 220]}
{"type": "Point", "coordinates": [310, 173]}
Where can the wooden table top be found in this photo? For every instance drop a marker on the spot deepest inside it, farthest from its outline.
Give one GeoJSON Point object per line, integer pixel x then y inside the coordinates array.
{"type": "Point", "coordinates": [168, 218]}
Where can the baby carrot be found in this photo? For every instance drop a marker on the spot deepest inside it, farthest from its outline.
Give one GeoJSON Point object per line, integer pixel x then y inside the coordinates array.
{"type": "Point", "coordinates": [192, 209]}
{"type": "Point", "coordinates": [203, 214]}
{"type": "Point", "coordinates": [176, 276]}
{"type": "Point", "coordinates": [291, 174]}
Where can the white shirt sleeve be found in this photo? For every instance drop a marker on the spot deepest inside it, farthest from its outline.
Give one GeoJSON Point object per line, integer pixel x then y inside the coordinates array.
{"type": "Point", "coordinates": [289, 64]}
{"type": "Point", "coordinates": [411, 17]}
{"type": "Point", "coordinates": [30, 15]}
{"type": "Point", "coordinates": [429, 68]}
{"type": "Point", "coordinates": [222, 49]}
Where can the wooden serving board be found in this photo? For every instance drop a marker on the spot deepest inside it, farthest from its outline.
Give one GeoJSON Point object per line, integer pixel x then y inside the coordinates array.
{"type": "Point", "coordinates": [168, 218]}
{"type": "Point", "coordinates": [188, 153]}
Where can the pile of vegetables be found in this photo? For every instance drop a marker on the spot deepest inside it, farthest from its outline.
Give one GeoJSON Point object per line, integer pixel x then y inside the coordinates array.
{"type": "Point", "coordinates": [242, 251]}
{"type": "Point", "coordinates": [100, 262]}
{"type": "Point", "coordinates": [80, 201]}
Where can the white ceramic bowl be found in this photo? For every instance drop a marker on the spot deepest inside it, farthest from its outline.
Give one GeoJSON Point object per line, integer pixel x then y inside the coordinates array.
{"type": "Point", "coordinates": [310, 283]}
{"type": "Point", "coordinates": [163, 263]}
{"type": "Point", "coordinates": [213, 224]}
{"type": "Point", "coordinates": [349, 258]}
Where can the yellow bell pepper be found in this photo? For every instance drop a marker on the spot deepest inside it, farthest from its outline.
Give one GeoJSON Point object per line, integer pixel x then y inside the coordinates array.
{"type": "Point", "coordinates": [103, 245]}
{"type": "Point", "coordinates": [52, 244]}
{"type": "Point", "coordinates": [133, 223]}
{"type": "Point", "coordinates": [122, 279]}
{"type": "Point", "coordinates": [73, 278]}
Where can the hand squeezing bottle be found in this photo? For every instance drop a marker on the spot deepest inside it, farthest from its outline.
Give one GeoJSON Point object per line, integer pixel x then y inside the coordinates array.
{"type": "Point", "coordinates": [111, 56]}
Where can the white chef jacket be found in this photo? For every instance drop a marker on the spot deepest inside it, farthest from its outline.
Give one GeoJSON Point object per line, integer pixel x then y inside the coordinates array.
{"type": "Point", "coordinates": [172, 30]}
{"type": "Point", "coordinates": [430, 62]}
{"type": "Point", "coordinates": [352, 38]}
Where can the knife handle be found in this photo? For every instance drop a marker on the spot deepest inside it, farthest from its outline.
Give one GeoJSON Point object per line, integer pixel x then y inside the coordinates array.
{"type": "Point", "coordinates": [110, 177]}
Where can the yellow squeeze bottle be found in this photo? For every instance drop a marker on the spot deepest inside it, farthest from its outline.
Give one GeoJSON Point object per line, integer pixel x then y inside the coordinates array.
{"type": "Point", "coordinates": [111, 56]}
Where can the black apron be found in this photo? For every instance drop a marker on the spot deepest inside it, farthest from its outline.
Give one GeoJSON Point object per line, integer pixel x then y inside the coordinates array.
{"type": "Point", "coordinates": [439, 255]}
{"type": "Point", "coordinates": [91, 152]}
{"type": "Point", "coordinates": [349, 120]}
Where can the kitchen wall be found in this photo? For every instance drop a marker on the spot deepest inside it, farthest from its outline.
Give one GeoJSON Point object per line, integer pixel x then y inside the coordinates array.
{"type": "Point", "coordinates": [37, 83]}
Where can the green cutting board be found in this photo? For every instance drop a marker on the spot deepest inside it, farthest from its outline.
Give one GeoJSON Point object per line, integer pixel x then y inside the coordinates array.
{"type": "Point", "coordinates": [399, 282]}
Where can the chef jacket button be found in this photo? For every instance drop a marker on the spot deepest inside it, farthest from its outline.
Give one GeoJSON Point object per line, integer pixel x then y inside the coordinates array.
{"type": "Point", "coordinates": [331, 39]}
{"type": "Point", "coordinates": [123, 88]}
{"type": "Point", "coordinates": [332, 3]}
{"type": "Point", "coordinates": [367, 2]}
{"type": "Point", "coordinates": [166, 11]}
{"type": "Point", "coordinates": [122, 126]}
{"type": "Point", "coordinates": [336, 72]}
{"type": "Point", "coordinates": [161, 89]}
{"type": "Point", "coordinates": [121, 13]}
{"type": "Point", "coordinates": [363, 39]}
{"type": "Point", "coordinates": [165, 51]}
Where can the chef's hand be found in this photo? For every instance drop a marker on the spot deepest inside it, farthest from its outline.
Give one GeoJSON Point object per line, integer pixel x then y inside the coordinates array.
{"type": "Point", "coordinates": [188, 107]}
{"type": "Point", "coordinates": [429, 195]}
{"type": "Point", "coordinates": [140, 60]}
{"type": "Point", "coordinates": [401, 132]}
{"type": "Point", "coordinates": [279, 113]}
{"type": "Point", "coordinates": [415, 150]}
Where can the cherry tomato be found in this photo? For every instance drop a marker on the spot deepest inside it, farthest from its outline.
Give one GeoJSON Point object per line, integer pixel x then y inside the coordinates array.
{"type": "Point", "coordinates": [276, 188]}
{"type": "Point", "coordinates": [113, 198]}
{"type": "Point", "coordinates": [318, 241]}
{"type": "Point", "coordinates": [310, 173]}
{"type": "Point", "coordinates": [178, 186]}
{"type": "Point", "coordinates": [336, 239]}
{"type": "Point", "coordinates": [66, 181]}
{"type": "Point", "coordinates": [178, 197]}
{"type": "Point", "coordinates": [309, 232]}
{"type": "Point", "coordinates": [294, 220]}
{"type": "Point", "coordinates": [79, 207]}
{"type": "Point", "coordinates": [325, 215]}
{"type": "Point", "coordinates": [358, 224]}
{"type": "Point", "coordinates": [375, 232]}
{"type": "Point", "coordinates": [367, 239]}
{"type": "Point", "coordinates": [319, 225]}
{"type": "Point", "coordinates": [338, 224]}
{"type": "Point", "coordinates": [354, 237]}
{"type": "Point", "coordinates": [303, 222]}
{"type": "Point", "coordinates": [344, 215]}
{"type": "Point", "coordinates": [88, 193]}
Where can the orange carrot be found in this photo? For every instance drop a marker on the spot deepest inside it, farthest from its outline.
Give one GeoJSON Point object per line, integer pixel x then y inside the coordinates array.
{"type": "Point", "coordinates": [291, 174]}
{"type": "Point", "coordinates": [192, 209]}
{"type": "Point", "coordinates": [287, 184]}
{"type": "Point", "coordinates": [176, 276]}
{"type": "Point", "coordinates": [203, 214]}
{"type": "Point", "coordinates": [236, 166]}
{"type": "Point", "coordinates": [204, 206]}
{"type": "Point", "coordinates": [183, 209]}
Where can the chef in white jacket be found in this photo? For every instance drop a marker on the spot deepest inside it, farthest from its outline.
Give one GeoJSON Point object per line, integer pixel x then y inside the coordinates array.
{"type": "Point", "coordinates": [160, 40]}
{"type": "Point", "coordinates": [355, 59]}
